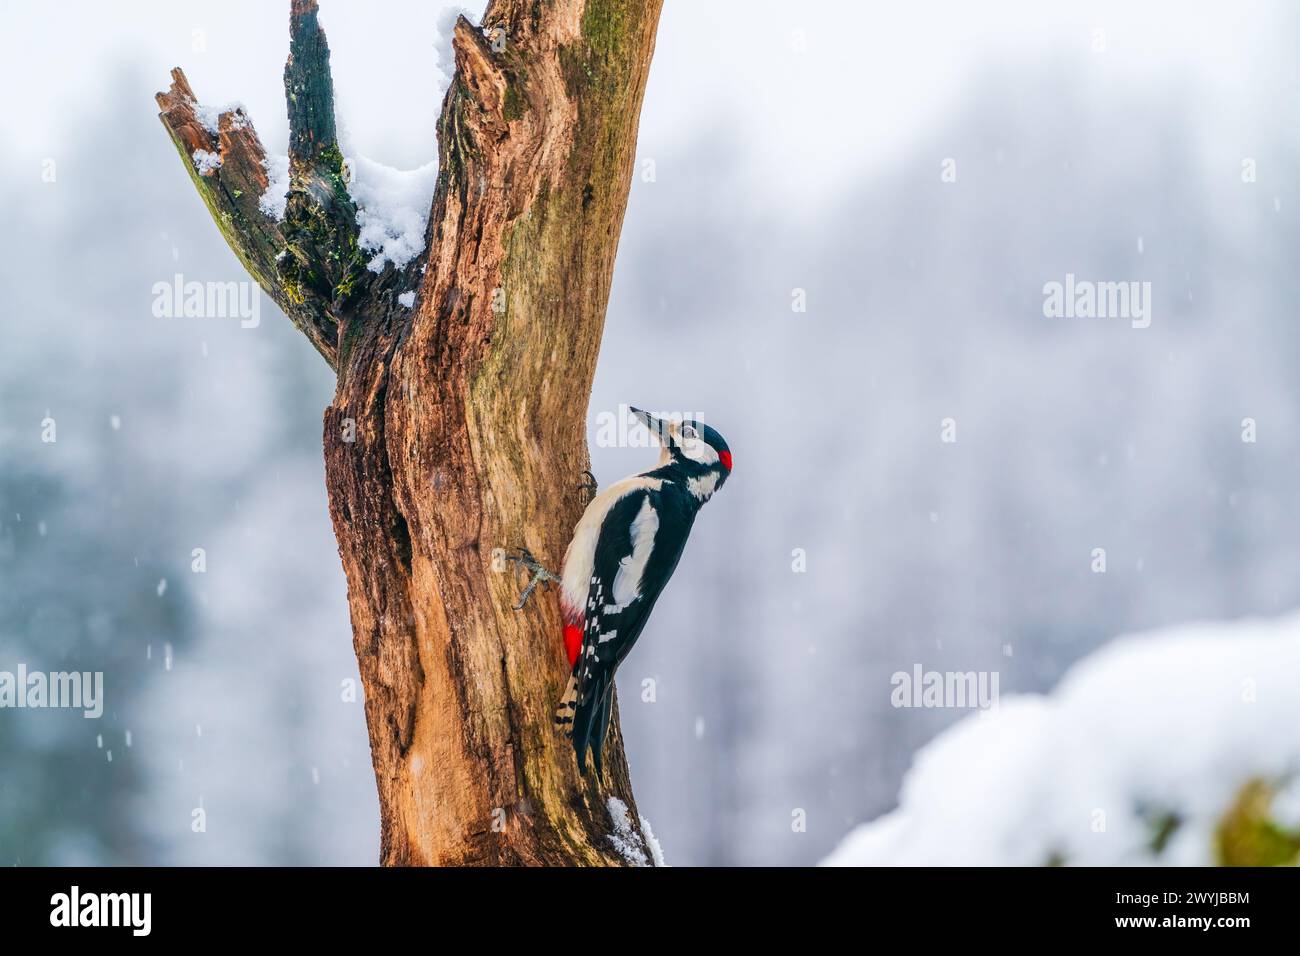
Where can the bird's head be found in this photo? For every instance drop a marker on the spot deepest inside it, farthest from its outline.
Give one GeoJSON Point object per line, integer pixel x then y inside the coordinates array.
{"type": "Point", "coordinates": [694, 448]}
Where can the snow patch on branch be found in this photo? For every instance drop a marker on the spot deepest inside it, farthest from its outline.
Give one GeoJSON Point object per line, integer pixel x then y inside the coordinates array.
{"type": "Point", "coordinates": [1133, 759]}
{"type": "Point", "coordinates": [210, 116]}
{"type": "Point", "coordinates": [276, 197]}
{"type": "Point", "coordinates": [392, 209]}
{"type": "Point", "coordinates": [206, 161]}
{"type": "Point", "coordinates": [625, 838]}
{"type": "Point", "coordinates": [656, 851]}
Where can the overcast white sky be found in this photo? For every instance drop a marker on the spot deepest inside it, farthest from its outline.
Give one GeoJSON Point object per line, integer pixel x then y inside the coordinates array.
{"type": "Point", "coordinates": [870, 77]}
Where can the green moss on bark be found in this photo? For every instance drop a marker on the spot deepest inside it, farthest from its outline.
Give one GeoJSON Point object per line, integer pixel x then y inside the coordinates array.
{"type": "Point", "coordinates": [604, 27]}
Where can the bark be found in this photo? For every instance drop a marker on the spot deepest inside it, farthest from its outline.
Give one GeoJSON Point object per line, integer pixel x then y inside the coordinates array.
{"type": "Point", "coordinates": [457, 428]}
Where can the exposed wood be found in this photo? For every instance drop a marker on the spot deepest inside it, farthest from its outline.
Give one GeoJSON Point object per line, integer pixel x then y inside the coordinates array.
{"type": "Point", "coordinates": [458, 427]}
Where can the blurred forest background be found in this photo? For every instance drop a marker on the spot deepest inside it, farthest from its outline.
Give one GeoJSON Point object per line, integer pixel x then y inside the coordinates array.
{"type": "Point", "coordinates": [780, 151]}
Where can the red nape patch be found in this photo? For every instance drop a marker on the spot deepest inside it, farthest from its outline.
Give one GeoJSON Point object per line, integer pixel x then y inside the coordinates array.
{"type": "Point", "coordinates": [725, 458]}
{"type": "Point", "coordinates": [572, 641]}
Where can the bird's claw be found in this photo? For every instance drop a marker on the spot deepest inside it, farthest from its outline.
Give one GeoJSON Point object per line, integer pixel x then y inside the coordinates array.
{"type": "Point", "coordinates": [591, 486]}
{"type": "Point", "coordinates": [525, 559]}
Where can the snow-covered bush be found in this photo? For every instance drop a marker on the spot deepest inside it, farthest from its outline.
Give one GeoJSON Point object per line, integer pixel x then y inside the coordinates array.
{"type": "Point", "coordinates": [1177, 747]}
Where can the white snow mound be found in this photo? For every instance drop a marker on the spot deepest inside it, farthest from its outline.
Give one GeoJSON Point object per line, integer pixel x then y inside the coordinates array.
{"type": "Point", "coordinates": [392, 209]}
{"type": "Point", "coordinates": [1174, 722]}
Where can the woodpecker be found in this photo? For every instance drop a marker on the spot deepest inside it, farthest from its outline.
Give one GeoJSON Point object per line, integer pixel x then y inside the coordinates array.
{"type": "Point", "coordinates": [624, 549]}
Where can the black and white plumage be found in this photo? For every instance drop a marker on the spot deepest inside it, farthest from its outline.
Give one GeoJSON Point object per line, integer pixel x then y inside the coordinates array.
{"type": "Point", "coordinates": [624, 549]}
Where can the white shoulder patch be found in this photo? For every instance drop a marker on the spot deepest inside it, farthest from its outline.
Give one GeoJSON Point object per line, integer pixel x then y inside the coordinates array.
{"type": "Point", "coordinates": [580, 558]}
{"type": "Point", "coordinates": [627, 582]}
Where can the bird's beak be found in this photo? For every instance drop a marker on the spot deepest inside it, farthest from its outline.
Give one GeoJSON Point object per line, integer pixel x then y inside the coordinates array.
{"type": "Point", "coordinates": [658, 426]}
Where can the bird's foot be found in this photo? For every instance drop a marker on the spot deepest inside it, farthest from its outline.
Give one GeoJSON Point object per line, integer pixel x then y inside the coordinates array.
{"type": "Point", "coordinates": [590, 485]}
{"type": "Point", "coordinates": [524, 558]}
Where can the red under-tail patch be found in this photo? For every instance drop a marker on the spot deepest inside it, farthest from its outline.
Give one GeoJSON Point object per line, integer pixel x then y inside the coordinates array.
{"type": "Point", "coordinates": [573, 641]}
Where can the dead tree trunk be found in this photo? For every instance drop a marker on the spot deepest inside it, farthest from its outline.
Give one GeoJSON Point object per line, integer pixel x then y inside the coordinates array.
{"type": "Point", "coordinates": [458, 425]}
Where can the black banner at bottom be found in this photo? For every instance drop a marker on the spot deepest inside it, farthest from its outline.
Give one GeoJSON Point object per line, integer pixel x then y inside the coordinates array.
{"type": "Point", "coordinates": [334, 906]}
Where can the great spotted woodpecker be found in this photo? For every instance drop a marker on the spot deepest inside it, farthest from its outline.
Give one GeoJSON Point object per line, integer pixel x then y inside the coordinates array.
{"type": "Point", "coordinates": [624, 549]}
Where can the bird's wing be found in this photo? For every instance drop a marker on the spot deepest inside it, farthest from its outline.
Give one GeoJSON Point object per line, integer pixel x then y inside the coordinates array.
{"type": "Point", "coordinates": [637, 549]}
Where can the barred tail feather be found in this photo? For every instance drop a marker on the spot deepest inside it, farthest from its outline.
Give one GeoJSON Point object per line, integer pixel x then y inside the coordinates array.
{"type": "Point", "coordinates": [567, 707]}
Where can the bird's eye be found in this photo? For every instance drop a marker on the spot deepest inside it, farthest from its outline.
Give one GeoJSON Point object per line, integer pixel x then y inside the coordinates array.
{"type": "Point", "coordinates": [689, 433]}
